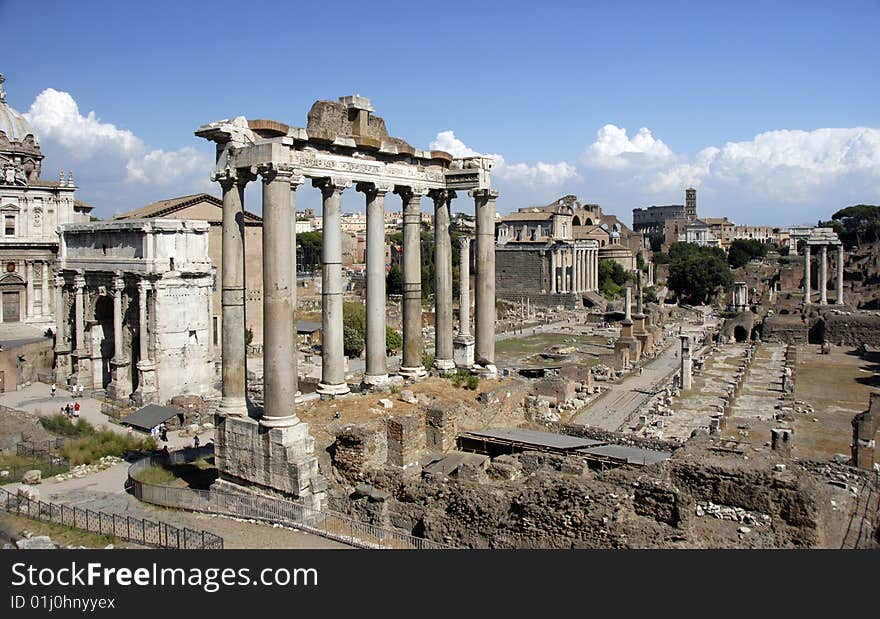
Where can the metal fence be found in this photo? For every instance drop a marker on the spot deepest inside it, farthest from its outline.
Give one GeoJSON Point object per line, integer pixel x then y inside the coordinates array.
{"type": "Point", "coordinates": [39, 449]}
{"type": "Point", "coordinates": [137, 530]}
{"type": "Point", "coordinates": [290, 513]}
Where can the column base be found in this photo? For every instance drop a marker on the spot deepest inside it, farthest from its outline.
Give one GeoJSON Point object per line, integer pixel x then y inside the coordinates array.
{"type": "Point", "coordinates": [373, 381]}
{"type": "Point", "coordinates": [233, 407]}
{"type": "Point", "coordinates": [444, 366]}
{"type": "Point", "coordinates": [279, 422]}
{"type": "Point", "coordinates": [333, 390]}
{"type": "Point", "coordinates": [486, 371]}
{"type": "Point", "coordinates": [414, 372]}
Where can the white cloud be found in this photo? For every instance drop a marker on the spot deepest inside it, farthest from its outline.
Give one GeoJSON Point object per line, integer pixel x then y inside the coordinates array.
{"type": "Point", "coordinates": [789, 166]}
{"type": "Point", "coordinates": [533, 175]}
{"type": "Point", "coordinates": [613, 149]}
{"type": "Point", "coordinates": [110, 161]}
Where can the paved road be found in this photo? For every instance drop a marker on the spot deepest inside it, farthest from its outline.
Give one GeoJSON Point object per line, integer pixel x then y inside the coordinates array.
{"type": "Point", "coordinates": [614, 409]}
{"type": "Point", "coordinates": [618, 407]}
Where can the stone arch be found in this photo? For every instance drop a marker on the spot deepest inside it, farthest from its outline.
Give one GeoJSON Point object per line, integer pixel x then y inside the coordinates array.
{"type": "Point", "coordinates": [576, 221]}
{"type": "Point", "coordinates": [740, 333]}
{"type": "Point", "coordinates": [588, 222]}
{"type": "Point", "coordinates": [103, 315]}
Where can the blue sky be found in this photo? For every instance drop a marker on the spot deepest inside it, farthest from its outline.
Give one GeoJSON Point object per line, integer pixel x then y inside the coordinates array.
{"type": "Point", "coordinates": [769, 108]}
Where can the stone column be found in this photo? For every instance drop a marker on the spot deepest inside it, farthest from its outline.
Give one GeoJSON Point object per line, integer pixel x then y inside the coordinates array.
{"type": "Point", "coordinates": [823, 275]}
{"type": "Point", "coordinates": [411, 364]}
{"type": "Point", "coordinates": [484, 280]}
{"type": "Point", "coordinates": [376, 371]}
{"type": "Point", "coordinates": [576, 271]}
{"type": "Point", "coordinates": [279, 328]}
{"type": "Point", "coordinates": [120, 388]}
{"type": "Point", "coordinates": [640, 300]}
{"type": "Point", "coordinates": [806, 274]}
{"type": "Point", "coordinates": [464, 295]}
{"type": "Point", "coordinates": [443, 355]}
{"type": "Point", "coordinates": [146, 391]}
{"type": "Point", "coordinates": [650, 273]}
{"type": "Point", "coordinates": [686, 373]}
{"type": "Point", "coordinates": [29, 274]}
{"type": "Point", "coordinates": [332, 349]}
{"type": "Point", "coordinates": [79, 282]}
{"type": "Point", "coordinates": [628, 303]}
{"type": "Point", "coordinates": [840, 274]}
{"type": "Point", "coordinates": [233, 325]}
{"type": "Point", "coordinates": [552, 272]}
{"type": "Point", "coordinates": [44, 303]}
{"type": "Point", "coordinates": [62, 348]}
{"type": "Point", "coordinates": [463, 344]}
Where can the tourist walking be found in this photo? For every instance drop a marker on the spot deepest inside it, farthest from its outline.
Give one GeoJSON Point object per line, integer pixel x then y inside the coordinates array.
{"type": "Point", "coordinates": [163, 432]}
{"type": "Point", "coordinates": [53, 389]}
{"type": "Point", "coordinates": [196, 441]}
{"type": "Point", "coordinates": [76, 410]}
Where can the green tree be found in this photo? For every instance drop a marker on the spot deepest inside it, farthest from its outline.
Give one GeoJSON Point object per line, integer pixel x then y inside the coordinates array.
{"type": "Point", "coordinates": [856, 224]}
{"type": "Point", "coordinates": [354, 328]}
{"type": "Point", "coordinates": [394, 280]}
{"type": "Point", "coordinates": [743, 250]}
{"type": "Point", "coordinates": [393, 339]}
{"type": "Point", "coordinates": [612, 278]}
{"type": "Point", "coordinates": [696, 273]}
{"type": "Point", "coordinates": [308, 250]}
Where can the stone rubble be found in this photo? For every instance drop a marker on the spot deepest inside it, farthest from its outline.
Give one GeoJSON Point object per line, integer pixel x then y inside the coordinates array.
{"type": "Point", "coordinates": [81, 470]}
{"type": "Point", "coordinates": [735, 514]}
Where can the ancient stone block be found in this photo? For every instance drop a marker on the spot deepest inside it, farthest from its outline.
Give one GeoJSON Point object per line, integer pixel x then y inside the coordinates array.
{"type": "Point", "coordinates": [406, 440]}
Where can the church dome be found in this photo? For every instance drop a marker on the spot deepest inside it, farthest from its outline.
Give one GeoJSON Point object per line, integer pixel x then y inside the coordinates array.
{"type": "Point", "coordinates": [12, 122]}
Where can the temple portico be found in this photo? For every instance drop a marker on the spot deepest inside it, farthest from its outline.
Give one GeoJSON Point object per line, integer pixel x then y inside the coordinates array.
{"type": "Point", "coordinates": [343, 146]}
{"type": "Point", "coordinates": [821, 239]}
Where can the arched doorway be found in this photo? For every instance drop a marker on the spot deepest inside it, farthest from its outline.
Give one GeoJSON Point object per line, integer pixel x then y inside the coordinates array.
{"type": "Point", "coordinates": [13, 294]}
{"type": "Point", "coordinates": [740, 334]}
{"type": "Point", "coordinates": [104, 338]}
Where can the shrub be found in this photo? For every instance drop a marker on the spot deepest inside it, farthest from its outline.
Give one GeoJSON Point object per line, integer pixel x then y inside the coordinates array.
{"type": "Point", "coordinates": [472, 382]}
{"type": "Point", "coordinates": [104, 443]}
{"type": "Point", "coordinates": [428, 361]}
{"type": "Point", "coordinates": [59, 424]}
{"type": "Point", "coordinates": [393, 339]}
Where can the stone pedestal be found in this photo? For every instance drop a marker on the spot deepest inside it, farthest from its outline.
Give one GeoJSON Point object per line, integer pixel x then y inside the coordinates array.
{"type": "Point", "coordinates": [463, 351]}
{"type": "Point", "coordinates": [120, 387]}
{"type": "Point", "coordinates": [146, 393]}
{"type": "Point", "coordinates": [276, 460]}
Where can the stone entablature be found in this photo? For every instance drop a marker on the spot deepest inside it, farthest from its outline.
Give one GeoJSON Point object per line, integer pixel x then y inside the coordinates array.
{"type": "Point", "coordinates": [145, 246]}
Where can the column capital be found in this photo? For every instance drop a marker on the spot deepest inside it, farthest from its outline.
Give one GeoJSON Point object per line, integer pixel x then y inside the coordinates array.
{"type": "Point", "coordinates": [374, 189]}
{"type": "Point", "coordinates": [331, 185]}
{"type": "Point", "coordinates": [144, 285]}
{"type": "Point", "coordinates": [79, 281]}
{"type": "Point", "coordinates": [410, 192]}
{"type": "Point", "coordinates": [441, 197]}
{"type": "Point", "coordinates": [231, 176]}
{"type": "Point", "coordinates": [118, 282]}
{"type": "Point", "coordinates": [464, 242]}
{"type": "Point", "coordinates": [274, 170]}
{"type": "Point", "coordinates": [485, 194]}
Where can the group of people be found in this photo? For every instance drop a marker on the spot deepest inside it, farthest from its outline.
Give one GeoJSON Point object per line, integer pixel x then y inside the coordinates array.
{"type": "Point", "coordinates": [76, 391]}
{"type": "Point", "coordinates": [160, 432]}
{"type": "Point", "coordinates": [71, 410]}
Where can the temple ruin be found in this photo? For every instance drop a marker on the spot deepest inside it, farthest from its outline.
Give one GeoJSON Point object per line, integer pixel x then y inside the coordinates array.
{"type": "Point", "coordinates": [344, 145]}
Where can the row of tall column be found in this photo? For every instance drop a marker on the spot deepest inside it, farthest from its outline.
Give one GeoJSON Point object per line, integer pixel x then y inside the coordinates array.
{"type": "Point", "coordinates": [823, 275]}
{"type": "Point", "coordinates": [121, 385]}
{"type": "Point", "coordinates": [280, 182]}
{"type": "Point", "coordinates": [574, 269]}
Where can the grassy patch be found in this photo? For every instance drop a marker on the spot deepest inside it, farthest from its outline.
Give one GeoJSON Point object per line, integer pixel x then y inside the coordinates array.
{"type": "Point", "coordinates": [62, 426]}
{"type": "Point", "coordinates": [104, 443]}
{"type": "Point", "coordinates": [463, 378]}
{"type": "Point", "coordinates": [18, 465]}
{"type": "Point", "coordinates": [156, 475]}
{"type": "Point", "coordinates": [65, 536]}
